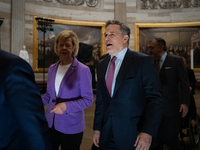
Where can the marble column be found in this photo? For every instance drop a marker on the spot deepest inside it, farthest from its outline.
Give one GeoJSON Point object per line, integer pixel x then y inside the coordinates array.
{"type": "Point", "coordinates": [17, 25]}
{"type": "Point", "coordinates": [120, 11]}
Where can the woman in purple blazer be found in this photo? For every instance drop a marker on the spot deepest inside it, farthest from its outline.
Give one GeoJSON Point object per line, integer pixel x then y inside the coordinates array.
{"type": "Point", "coordinates": [69, 92]}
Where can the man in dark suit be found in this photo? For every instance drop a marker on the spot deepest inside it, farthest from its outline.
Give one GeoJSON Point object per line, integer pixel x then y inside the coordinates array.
{"type": "Point", "coordinates": [23, 125]}
{"type": "Point", "coordinates": [192, 108]}
{"type": "Point", "coordinates": [128, 114]}
{"type": "Point", "coordinates": [176, 92]}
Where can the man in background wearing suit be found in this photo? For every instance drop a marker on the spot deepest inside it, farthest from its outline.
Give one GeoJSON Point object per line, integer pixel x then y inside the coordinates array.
{"type": "Point", "coordinates": [23, 125]}
{"type": "Point", "coordinates": [129, 100]}
{"type": "Point", "coordinates": [176, 92]}
{"type": "Point", "coordinates": [192, 108]}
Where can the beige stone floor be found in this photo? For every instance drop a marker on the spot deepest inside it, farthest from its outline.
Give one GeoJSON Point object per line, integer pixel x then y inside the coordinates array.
{"type": "Point", "coordinates": [89, 116]}
{"type": "Point", "coordinates": [87, 135]}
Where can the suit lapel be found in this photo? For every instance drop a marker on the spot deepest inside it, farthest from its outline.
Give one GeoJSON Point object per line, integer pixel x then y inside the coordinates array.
{"type": "Point", "coordinates": [166, 62]}
{"type": "Point", "coordinates": [102, 73]}
{"type": "Point", "coordinates": [128, 58]}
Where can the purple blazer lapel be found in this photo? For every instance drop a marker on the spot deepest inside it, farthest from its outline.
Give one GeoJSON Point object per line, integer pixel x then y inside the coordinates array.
{"type": "Point", "coordinates": [70, 71]}
{"type": "Point", "coordinates": [53, 77]}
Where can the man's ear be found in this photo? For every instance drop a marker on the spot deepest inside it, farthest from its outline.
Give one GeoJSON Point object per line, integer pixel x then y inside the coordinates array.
{"type": "Point", "coordinates": [126, 38]}
{"type": "Point", "coordinates": [162, 47]}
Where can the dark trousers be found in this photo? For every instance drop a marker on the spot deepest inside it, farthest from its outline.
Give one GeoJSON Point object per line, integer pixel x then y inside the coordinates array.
{"type": "Point", "coordinates": [192, 108]}
{"type": "Point", "coordinates": [168, 134]}
{"type": "Point", "coordinates": [67, 141]}
{"type": "Point", "coordinates": [94, 147]}
{"type": "Point", "coordinates": [112, 145]}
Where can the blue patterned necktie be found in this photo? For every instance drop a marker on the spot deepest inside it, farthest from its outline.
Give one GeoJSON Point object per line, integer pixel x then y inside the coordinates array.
{"type": "Point", "coordinates": [110, 75]}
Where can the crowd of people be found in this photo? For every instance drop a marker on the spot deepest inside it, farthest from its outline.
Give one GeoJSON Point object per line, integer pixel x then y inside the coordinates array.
{"type": "Point", "coordinates": [140, 98]}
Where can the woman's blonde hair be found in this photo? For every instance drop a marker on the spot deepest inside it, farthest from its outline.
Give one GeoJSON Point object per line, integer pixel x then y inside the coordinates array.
{"type": "Point", "coordinates": [64, 35]}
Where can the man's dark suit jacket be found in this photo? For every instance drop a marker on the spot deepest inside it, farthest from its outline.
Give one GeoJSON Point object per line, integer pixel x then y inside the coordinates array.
{"type": "Point", "coordinates": [175, 85]}
{"type": "Point", "coordinates": [23, 125]}
{"type": "Point", "coordinates": [192, 80]}
{"type": "Point", "coordinates": [136, 104]}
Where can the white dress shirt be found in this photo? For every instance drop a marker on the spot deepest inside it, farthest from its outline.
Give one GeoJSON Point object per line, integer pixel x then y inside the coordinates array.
{"type": "Point", "coordinates": [118, 63]}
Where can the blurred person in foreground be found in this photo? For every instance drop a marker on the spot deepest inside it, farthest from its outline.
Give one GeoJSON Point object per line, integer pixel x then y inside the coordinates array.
{"type": "Point", "coordinates": [176, 93]}
{"type": "Point", "coordinates": [23, 125]}
{"type": "Point", "coordinates": [69, 92]}
{"type": "Point", "coordinates": [129, 100]}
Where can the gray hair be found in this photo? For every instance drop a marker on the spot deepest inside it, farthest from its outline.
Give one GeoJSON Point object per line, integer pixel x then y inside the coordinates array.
{"type": "Point", "coordinates": [123, 28]}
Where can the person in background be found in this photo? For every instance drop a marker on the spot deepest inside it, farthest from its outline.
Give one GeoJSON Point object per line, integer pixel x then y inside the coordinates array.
{"type": "Point", "coordinates": [176, 93]}
{"type": "Point", "coordinates": [69, 92]}
{"type": "Point", "coordinates": [196, 56]}
{"type": "Point", "coordinates": [171, 50]}
{"type": "Point", "coordinates": [192, 108]}
{"type": "Point", "coordinates": [23, 125]}
{"type": "Point", "coordinates": [129, 100]}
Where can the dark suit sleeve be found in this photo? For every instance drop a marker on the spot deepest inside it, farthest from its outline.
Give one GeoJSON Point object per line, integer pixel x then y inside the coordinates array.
{"type": "Point", "coordinates": [26, 105]}
{"type": "Point", "coordinates": [184, 82]}
{"type": "Point", "coordinates": [192, 80]}
{"type": "Point", "coordinates": [99, 107]}
{"type": "Point", "coordinates": [46, 96]}
{"type": "Point", "coordinates": [154, 102]}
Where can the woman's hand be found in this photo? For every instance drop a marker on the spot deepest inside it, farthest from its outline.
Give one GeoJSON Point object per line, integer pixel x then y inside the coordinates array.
{"type": "Point", "coordinates": [59, 108]}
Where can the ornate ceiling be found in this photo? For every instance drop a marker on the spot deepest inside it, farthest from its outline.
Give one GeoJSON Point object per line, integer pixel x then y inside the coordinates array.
{"type": "Point", "coordinates": [169, 4]}
{"type": "Point", "coordinates": [90, 3]}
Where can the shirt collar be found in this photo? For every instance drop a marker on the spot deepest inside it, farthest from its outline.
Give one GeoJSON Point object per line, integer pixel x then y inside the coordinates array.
{"type": "Point", "coordinates": [121, 54]}
{"type": "Point", "coordinates": [163, 57]}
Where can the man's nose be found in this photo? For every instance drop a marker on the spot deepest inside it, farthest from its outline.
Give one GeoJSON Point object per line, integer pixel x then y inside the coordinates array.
{"type": "Point", "coordinates": [106, 38]}
{"type": "Point", "coordinates": [64, 46]}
